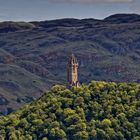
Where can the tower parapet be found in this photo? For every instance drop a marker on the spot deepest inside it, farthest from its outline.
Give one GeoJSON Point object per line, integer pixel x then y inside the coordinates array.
{"type": "Point", "coordinates": [72, 72]}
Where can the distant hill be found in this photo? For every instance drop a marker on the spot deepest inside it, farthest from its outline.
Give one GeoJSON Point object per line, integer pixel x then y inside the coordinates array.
{"type": "Point", "coordinates": [98, 111]}
{"type": "Point", "coordinates": [10, 26]}
{"type": "Point", "coordinates": [33, 56]}
{"type": "Point", "coordinates": [123, 18]}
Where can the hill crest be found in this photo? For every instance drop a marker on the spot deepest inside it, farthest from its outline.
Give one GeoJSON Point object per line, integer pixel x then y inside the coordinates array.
{"type": "Point", "coordinates": [10, 26]}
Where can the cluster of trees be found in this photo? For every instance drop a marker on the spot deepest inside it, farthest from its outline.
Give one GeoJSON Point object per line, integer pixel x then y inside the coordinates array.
{"type": "Point", "coordinates": [98, 111]}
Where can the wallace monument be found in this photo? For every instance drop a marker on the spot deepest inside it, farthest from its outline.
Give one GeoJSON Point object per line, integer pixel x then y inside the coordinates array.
{"type": "Point", "coordinates": [72, 72]}
{"type": "Point", "coordinates": [69, 69]}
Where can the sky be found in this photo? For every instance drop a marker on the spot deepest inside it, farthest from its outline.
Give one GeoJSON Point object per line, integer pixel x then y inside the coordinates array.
{"type": "Point", "coordinates": [38, 10]}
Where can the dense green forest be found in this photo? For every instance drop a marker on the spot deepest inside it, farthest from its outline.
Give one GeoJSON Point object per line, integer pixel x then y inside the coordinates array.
{"type": "Point", "coordinates": [98, 111]}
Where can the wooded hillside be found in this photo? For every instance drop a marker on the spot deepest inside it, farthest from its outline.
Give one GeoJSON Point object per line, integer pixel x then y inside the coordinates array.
{"type": "Point", "coordinates": [98, 111]}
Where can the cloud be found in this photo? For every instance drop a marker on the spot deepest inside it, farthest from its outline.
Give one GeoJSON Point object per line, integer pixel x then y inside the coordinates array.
{"type": "Point", "coordinates": [92, 1]}
{"type": "Point", "coordinates": [135, 6]}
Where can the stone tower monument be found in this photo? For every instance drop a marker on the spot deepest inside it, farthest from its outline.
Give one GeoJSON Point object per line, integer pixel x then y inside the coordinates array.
{"type": "Point", "coordinates": [72, 72]}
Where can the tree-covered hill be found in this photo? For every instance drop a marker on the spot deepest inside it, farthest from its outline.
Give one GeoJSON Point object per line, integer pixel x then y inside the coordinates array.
{"type": "Point", "coordinates": [38, 52]}
{"type": "Point", "coordinates": [98, 111]}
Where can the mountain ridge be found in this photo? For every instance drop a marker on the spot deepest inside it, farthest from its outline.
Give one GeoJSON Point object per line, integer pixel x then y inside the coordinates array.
{"type": "Point", "coordinates": [35, 58]}
{"type": "Point", "coordinates": [11, 26]}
